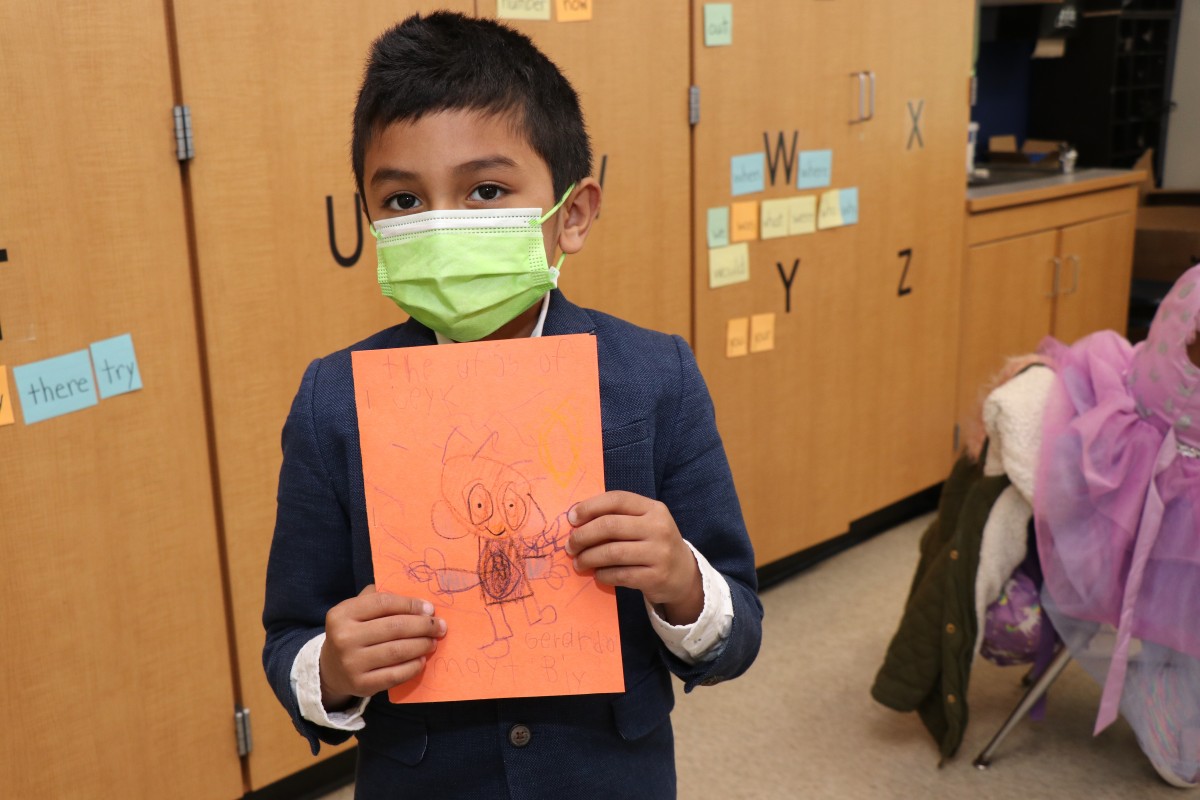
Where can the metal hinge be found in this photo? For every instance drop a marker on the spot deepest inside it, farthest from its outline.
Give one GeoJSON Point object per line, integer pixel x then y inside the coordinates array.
{"type": "Point", "coordinates": [241, 722]}
{"type": "Point", "coordinates": [183, 134]}
{"type": "Point", "coordinates": [957, 436]}
{"type": "Point", "coordinates": [694, 105]}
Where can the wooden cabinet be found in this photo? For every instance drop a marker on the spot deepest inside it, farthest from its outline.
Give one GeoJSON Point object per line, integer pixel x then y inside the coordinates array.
{"type": "Point", "coordinates": [116, 659]}
{"type": "Point", "coordinates": [853, 408]}
{"type": "Point", "coordinates": [1058, 267]}
{"type": "Point", "coordinates": [273, 206]}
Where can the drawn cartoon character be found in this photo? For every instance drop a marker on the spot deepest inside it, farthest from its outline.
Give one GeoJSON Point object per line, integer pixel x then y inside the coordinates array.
{"type": "Point", "coordinates": [494, 502]}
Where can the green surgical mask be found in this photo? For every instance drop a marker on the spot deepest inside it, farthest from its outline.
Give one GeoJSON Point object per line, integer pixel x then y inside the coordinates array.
{"type": "Point", "coordinates": [465, 273]}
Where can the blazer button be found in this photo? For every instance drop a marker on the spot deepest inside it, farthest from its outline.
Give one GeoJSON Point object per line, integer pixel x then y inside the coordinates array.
{"type": "Point", "coordinates": [519, 735]}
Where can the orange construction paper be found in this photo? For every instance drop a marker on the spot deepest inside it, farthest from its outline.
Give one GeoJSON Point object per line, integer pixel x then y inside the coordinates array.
{"type": "Point", "coordinates": [472, 454]}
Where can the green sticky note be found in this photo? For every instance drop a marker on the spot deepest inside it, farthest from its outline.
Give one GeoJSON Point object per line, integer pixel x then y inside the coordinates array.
{"type": "Point", "coordinates": [718, 226]}
{"type": "Point", "coordinates": [116, 366]}
{"type": "Point", "coordinates": [55, 386]}
{"type": "Point", "coordinates": [523, 9]}
{"type": "Point", "coordinates": [718, 24]}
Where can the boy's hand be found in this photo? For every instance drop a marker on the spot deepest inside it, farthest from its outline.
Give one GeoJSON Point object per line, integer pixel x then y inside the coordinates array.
{"type": "Point", "coordinates": [373, 642]}
{"type": "Point", "coordinates": [632, 541]}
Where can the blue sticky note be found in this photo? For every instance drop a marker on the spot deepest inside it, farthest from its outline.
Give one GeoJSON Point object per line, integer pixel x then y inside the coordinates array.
{"type": "Point", "coordinates": [849, 203]}
{"type": "Point", "coordinates": [116, 366]}
{"type": "Point", "coordinates": [55, 386]}
{"type": "Point", "coordinates": [816, 169]}
{"type": "Point", "coordinates": [718, 227]}
{"type": "Point", "coordinates": [718, 24]}
{"type": "Point", "coordinates": [747, 174]}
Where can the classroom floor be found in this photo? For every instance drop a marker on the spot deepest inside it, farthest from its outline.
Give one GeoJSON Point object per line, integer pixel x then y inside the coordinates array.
{"type": "Point", "coordinates": [801, 722]}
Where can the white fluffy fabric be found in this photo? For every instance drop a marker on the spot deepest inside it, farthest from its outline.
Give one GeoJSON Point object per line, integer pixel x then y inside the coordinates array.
{"type": "Point", "coordinates": [1001, 550]}
{"type": "Point", "coordinates": [1012, 416]}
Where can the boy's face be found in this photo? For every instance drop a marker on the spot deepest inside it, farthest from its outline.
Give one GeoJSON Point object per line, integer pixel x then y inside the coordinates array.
{"type": "Point", "coordinates": [457, 159]}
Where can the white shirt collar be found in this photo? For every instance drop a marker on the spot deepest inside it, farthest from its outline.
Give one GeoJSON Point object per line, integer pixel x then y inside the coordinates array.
{"type": "Point", "coordinates": [537, 329]}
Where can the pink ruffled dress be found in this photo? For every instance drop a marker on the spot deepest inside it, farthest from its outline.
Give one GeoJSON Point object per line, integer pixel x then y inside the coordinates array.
{"type": "Point", "coordinates": [1117, 511]}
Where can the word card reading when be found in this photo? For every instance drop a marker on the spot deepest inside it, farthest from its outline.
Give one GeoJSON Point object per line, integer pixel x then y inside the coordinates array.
{"type": "Point", "coordinates": [472, 454]}
{"type": "Point", "coordinates": [816, 169]}
{"type": "Point", "coordinates": [55, 386]}
{"type": "Point", "coordinates": [747, 174]}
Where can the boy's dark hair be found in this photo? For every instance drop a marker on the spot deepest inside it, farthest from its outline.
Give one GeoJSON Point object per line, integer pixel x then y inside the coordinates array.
{"type": "Point", "coordinates": [446, 61]}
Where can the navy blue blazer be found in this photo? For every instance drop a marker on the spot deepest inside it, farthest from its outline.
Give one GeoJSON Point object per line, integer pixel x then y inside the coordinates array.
{"type": "Point", "coordinates": [660, 440]}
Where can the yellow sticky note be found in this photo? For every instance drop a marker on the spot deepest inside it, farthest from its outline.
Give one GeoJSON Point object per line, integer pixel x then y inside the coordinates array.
{"type": "Point", "coordinates": [743, 221]}
{"type": "Point", "coordinates": [802, 215]}
{"type": "Point", "coordinates": [830, 215]}
{"type": "Point", "coordinates": [774, 223]}
{"type": "Point", "coordinates": [762, 332]}
{"type": "Point", "coordinates": [728, 265]}
{"type": "Point", "coordinates": [6, 402]}
{"type": "Point", "coordinates": [737, 337]}
{"type": "Point", "coordinates": [573, 10]}
{"type": "Point", "coordinates": [523, 9]}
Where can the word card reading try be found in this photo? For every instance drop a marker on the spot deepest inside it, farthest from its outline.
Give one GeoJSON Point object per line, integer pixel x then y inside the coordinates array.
{"type": "Point", "coordinates": [472, 455]}
{"type": "Point", "coordinates": [116, 366]}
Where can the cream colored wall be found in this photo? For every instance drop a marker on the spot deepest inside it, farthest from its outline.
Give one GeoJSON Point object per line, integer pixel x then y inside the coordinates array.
{"type": "Point", "coordinates": [1182, 168]}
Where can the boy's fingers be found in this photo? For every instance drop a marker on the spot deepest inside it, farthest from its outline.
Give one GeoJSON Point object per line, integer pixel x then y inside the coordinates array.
{"type": "Point", "coordinates": [610, 527]}
{"type": "Point", "coordinates": [615, 502]}
{"type": "Point", "coordinates": [381, 680]}
{"type": "Point", "coordinates": [382, 604]}
{"type": "Point", "coordinates": [393, 654]}
{"type": "Point", "coordinates": [398, 628]}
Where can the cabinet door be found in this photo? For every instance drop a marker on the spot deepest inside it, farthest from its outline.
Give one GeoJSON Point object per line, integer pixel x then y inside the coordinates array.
{"type": "Point", "coordinates": [271, 89]}
{"type": "Point", "coordinates": [629, 64]}
{"type": "Point", "coordinates": [909, 275]}
{"type": "Point", "coordinates": [783, 86]}
{"type": "Point", "coordinates": [1093, 294]}
{"type": "Point", "coordinates": [1006, 311]}
{"type": "Point", "coordinates": [116, 651]}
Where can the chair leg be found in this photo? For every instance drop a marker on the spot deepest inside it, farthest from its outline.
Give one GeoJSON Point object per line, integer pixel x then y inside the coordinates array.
{"type": "Point", "coordinates": [1039, 688]}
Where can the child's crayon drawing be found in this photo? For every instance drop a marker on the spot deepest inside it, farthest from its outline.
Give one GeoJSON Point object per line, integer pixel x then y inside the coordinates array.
{"type": "Point", "coordinates": [472, 455]}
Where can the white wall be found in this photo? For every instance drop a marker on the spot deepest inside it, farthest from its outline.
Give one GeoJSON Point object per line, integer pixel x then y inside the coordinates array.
{"type": "Point", "coordinates": [1182, 169]}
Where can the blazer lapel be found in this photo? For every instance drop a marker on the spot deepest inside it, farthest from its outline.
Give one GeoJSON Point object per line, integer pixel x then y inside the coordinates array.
{"type": "Point", "coordinates": [564, 317]}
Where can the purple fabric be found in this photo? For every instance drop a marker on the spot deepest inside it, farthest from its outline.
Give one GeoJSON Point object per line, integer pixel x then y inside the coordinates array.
{"type": "Point", "coordinates": [1117, 501]}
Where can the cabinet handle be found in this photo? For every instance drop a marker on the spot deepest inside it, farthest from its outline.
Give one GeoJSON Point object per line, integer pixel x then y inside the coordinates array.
{"type": "Point", "coordinates": [1057, 277]}
{"type": "Point", "coordinates": [862, 96]}
{"type": "Point", "coordinates": [1075, 261]}
{"type": "Point", "coordinates": [871, 114]}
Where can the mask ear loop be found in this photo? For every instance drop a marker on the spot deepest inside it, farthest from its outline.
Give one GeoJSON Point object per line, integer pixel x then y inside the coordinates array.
{"type": "Point", "coordinates": [537, 223]}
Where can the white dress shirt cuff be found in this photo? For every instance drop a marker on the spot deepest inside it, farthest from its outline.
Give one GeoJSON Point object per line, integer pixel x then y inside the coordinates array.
{"type": "Point", "coordinates": [306, 685]}
{"type": "Point", "coordinates": [702, 640]}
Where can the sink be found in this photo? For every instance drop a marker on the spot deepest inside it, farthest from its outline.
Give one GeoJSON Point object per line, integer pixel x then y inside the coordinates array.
{"type": "Point", "coordinates": [1004, 173]}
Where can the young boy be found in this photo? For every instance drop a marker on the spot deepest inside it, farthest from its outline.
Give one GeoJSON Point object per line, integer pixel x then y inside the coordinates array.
{"type": "Point", "coordinates": [463, 114]}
